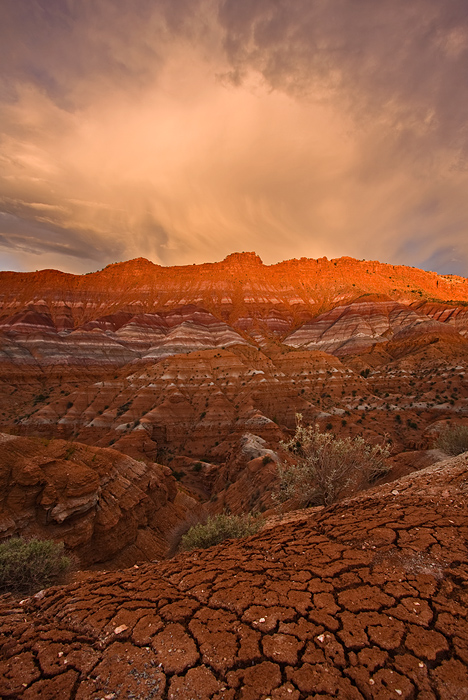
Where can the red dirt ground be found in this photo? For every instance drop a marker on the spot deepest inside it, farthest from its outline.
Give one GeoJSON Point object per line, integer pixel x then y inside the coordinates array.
{"type": "Point", "coordinates": [365, 600]}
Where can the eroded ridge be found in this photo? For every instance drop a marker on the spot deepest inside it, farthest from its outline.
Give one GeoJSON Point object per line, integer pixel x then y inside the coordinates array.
{"type": "Point", "coordinates": [365, 600]}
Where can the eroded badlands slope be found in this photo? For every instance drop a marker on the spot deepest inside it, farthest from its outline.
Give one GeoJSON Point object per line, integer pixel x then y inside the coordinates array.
{"type": "Point", "coordinates": [366, 600]}
{"type": "Point", "coordinates": [210, 363]}
{"type": "Point", "coordinates": [107, 508]}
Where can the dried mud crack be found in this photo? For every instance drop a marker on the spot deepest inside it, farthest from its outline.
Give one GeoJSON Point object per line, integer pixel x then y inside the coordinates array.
{"type": "Point", "coordinates": [366, 600]}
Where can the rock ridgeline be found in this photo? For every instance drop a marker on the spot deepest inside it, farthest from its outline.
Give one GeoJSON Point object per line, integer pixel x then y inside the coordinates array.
{"type": "Point", "coordinates": [365, 601]}
{"type": "Point", "coordinates": [259, 301]}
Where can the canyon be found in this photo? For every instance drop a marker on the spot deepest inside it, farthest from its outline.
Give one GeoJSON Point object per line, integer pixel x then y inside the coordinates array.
{"type": "Point", "coordinates": [138, 400]}
{"type": "Point", "coordinates": [107, 508]}
{"type": "Point", "coordinates": [203, 368]}
{"type": "Point", "coordinates": [180, 365]}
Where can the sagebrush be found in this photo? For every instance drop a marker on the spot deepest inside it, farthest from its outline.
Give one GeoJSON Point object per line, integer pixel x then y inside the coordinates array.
{"type": "Point", "coordinates": [27, 566]}
{"type": "Point", "coordinates": [453, 439]}
{"type": "Point", "coordinates": [326, 467]}
{"type": "Point", "coordinates": [219, 528]}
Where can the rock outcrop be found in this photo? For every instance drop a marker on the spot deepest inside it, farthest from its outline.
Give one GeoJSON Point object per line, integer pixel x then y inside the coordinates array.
{"type": "Point", "coordinates": [109, 509]}
{"type": "Point", "coordinates": [366, 600]}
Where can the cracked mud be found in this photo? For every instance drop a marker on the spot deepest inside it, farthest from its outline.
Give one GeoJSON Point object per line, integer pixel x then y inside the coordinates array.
{"type": "Point", "coordinates": [366, 600]}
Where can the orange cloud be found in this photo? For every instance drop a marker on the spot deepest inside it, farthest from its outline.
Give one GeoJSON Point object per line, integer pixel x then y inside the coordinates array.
{"type": "Point", "coordinates": [184, 131]}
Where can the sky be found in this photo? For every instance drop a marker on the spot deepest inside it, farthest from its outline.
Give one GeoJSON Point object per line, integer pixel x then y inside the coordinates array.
{"type": "Point", "coordinates": [185, 130]}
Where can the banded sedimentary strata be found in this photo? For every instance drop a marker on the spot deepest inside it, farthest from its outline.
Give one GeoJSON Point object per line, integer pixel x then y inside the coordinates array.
{"type": "Point", "coordinates": [182, 364]}
{"type": "Point", "coordinates": [240, 290]}
{"type": "Point", "coordinates": [107, 508]}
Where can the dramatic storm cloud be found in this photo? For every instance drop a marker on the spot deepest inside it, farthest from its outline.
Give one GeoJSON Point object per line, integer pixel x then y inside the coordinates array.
{"type": "Point", "coordinates": [182, 130]}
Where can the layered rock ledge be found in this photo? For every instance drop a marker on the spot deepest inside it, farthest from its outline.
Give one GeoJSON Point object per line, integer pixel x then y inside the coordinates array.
{"type": "Point", "coordinates": [107, 508]}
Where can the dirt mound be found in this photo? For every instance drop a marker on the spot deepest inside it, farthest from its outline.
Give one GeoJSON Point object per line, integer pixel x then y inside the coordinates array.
{"type": "Point", "coordinates": [364, 600]}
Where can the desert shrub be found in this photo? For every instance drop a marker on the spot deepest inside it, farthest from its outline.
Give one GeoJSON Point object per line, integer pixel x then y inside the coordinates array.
{"type": "Point", "coordinates": [219, 528]}
{"type": "Point", "coordinates": [267, 459]}
{"type": "Point", "coordinates": [124, 408]}
{"type": "Point", "coordinates": [40, 398]}
{"type": "Point", "coordinates": [453, 439]}
{"type": "Point", "coordinates": [27, 566]}
{"type": "Point", "coordinates": [327, 466]}
{"type": "Point", "coordinates": [197, 466]}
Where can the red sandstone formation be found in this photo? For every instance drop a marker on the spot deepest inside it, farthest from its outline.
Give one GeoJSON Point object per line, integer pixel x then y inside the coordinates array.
{"type": "Point", "coordinates": [108, 509]}
{"type": "Point", "coordinates": [204, 368]}
{"type": "Point", "coordinates": [189, 402]}
{"type": "Point", "coordinates": [356, 327]}
{"type": "Point", "coordinates": [231, 289]}
{"type": "Point", "coordinates": [128, 305]}
{"type": "Point", "coordinates": [366, 600]}
{"type": "Point", "coordinates": [183, 364]}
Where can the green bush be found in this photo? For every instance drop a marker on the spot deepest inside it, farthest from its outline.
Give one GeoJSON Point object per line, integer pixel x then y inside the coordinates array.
{"type": "Point", "coordinates": [28, 566]}
{"type": "Point", "coordinates": [326, 467]}
{"type": "Point", "coordinates": [453, 439]}
{"type": "Point", "coordinates": [219, 528]}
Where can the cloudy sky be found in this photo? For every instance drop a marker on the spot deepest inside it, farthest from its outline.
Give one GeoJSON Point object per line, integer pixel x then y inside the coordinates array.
{"type": "Point", "coordinates": [184, 130]}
